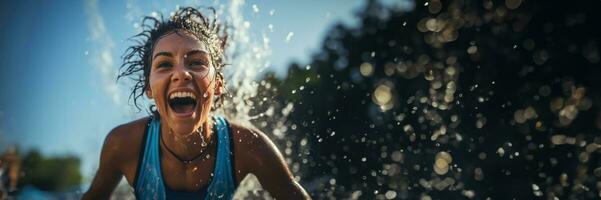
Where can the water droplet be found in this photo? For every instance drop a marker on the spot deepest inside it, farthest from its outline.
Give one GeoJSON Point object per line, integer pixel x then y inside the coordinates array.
{"type": "Point", "coordinates": [472, 49]}
{"type": "Point", "coordinates": [366, 69]}
{"type": "Point", "coordinates": [390, 194]}
{"type": "Point", "coordinates": [501, 151]}
{"type": "Point", "coordinates": [289, 37]}
{"type": "Point", "coordinates": [203, 143]}
{"type": "Point", "coordinates": [535, 187]}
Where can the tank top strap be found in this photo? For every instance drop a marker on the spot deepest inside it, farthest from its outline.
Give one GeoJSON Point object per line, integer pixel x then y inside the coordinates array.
{"type": "Point", "coordinates": [223, 185]}
{"type": "Point", "coordinates": [149, 183]}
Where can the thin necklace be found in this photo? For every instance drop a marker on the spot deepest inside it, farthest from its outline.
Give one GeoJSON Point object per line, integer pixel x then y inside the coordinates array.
{"type": "Point", "coordinates": [184, 160]}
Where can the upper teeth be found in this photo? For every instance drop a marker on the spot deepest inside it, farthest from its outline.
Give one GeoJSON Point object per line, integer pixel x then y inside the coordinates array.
{"type": "Point", "coordinates": [182, 94]}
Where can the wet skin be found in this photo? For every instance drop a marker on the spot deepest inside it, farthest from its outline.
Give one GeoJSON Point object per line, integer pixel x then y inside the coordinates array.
{"type": "Point", "coordinates": [180, 63]}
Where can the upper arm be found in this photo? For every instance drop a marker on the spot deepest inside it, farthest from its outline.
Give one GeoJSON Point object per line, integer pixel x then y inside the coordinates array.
{"type": "Point", "coordinates": [268, 165]}
{"type": "Point", "coordinates": [109, 171]}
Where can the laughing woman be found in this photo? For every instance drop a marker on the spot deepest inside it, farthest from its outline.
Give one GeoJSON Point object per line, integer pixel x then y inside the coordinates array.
{"type": "Point", "coordinates": [182, 151]}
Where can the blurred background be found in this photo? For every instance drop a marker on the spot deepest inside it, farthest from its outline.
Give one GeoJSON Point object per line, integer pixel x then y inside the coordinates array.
{"type": "Point", "coordinates": [389, 99]}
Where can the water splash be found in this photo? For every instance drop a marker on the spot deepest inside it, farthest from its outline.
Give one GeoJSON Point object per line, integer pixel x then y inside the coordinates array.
{"type": "Point", "coordinates": [102, 52]}
{"type": "Point", "coordinates": [249, 58]}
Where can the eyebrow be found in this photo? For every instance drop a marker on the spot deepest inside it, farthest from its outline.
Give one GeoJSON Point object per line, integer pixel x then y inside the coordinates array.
{"type": "Point", "coordinates": [163, 53]}
{"type": "Point", "coordinates": [190, 53]}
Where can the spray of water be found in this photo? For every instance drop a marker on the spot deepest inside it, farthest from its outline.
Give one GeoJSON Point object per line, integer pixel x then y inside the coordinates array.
{"type": "Point", "coordinates": [248, 59]}
{"type": "Point", "coordinates": [103, 50]}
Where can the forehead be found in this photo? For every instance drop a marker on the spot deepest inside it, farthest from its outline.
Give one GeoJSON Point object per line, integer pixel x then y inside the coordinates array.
{"type": "Point", "coordinates": [178, 41]}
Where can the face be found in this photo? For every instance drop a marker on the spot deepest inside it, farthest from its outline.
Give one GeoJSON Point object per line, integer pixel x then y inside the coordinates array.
{"type": "Point", "coordinates": [182, 82]}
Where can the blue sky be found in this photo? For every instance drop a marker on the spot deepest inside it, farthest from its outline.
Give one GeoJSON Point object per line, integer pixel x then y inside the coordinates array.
{"type": "Point", "coordinates": [55, 95]}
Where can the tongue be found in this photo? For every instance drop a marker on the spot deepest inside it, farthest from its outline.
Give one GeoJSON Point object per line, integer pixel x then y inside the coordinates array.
{"type": "Point", "coordinates": [186, 108]}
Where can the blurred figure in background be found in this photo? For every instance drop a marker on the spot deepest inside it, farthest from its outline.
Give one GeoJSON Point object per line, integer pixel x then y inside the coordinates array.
{"type": "Point", "coordinates": [2, 181]}
{"type": "Point", "coordinates": [10, 164]}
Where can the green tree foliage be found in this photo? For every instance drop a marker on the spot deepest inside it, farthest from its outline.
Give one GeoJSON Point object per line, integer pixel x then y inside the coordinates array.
{"type": "Point", "coordinates": [56, 173]}
{"type": "Point", "coordinates": [449, 100]}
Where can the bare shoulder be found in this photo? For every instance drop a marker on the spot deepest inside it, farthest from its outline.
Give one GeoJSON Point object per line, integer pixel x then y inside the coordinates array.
{"type": "Point", "coordinates": [249, 132]}
{"type": "Point", "coordinates": [255, 153]}
{"type": "Point", "coordinates": [119, 157]}
{"type": "Point", "coordinates": [249, 138]}
{"type": "Point", "coordinates": [122, 143]}
{"type": "Point", "coordinates": [127, 133]}
{"type": "Point", "coordinates": [252, 148]}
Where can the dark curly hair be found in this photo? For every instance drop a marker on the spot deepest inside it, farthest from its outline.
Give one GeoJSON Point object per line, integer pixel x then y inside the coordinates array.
{"type": "Point", "coordinates": [137, 59]}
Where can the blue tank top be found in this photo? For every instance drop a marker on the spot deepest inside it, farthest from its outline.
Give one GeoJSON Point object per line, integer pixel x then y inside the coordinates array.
{"type": "Point", "coordinates": [149, 184]}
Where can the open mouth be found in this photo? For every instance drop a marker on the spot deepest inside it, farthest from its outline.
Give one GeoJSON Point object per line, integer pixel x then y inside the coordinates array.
{"type": "Point", "coordinates": [182, 102]}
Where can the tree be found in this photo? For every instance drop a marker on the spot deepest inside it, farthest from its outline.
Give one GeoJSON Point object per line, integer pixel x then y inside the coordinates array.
{"type": "Point", "coordinates": [51, 173]}
{"type": "Point", "coordinates": [452, 99]}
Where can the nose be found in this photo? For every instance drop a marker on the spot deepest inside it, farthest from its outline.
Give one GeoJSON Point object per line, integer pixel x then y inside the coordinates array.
{"type": "Point", "coordinates": [181, 73]}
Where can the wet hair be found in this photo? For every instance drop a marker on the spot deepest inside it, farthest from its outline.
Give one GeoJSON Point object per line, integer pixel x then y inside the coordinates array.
{"type": "Point", "coordinates": [137, 59]}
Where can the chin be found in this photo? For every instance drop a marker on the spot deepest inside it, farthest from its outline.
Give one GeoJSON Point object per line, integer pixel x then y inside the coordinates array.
{"type": "Point", "coordinates": [185, 123]}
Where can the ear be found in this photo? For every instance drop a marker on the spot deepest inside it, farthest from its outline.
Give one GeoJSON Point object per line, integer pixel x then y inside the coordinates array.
{"type": "Point", "coordinates": [148, 92]}
{"type": "Point", "coordinates": [219, 87]}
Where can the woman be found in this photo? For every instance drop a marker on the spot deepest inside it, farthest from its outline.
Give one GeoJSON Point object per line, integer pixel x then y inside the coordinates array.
{"type": "Point", "coordinates": [181, 151]}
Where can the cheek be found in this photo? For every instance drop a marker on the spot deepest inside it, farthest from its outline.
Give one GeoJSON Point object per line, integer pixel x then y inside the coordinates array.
{"type": "Point", "coordinates": [156, 86]}
{"type": "Point", "coordinates": [209, 81]}
{"type": "Point", "coordinates": [206, 84]}
{"type": "Point", "coordinates": [152, 86]}
{"type": "Point", "coordinates": [203, 83]}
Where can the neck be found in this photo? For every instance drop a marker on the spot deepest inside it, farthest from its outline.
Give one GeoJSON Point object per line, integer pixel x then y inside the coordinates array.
{"type": "Point", "coordinates": [188, 146]}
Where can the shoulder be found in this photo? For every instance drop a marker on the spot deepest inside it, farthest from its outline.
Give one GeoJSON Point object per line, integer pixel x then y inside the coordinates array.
{"type": "Point", "coordinates": [261, 157]}
{"type": "Point", "coordinates": [123, 141]}
{"type": "Point", "coordinates": [128, 132]}
{"type": "Point", "coordinates": [118, 157]}
{"type": "Point", "coordinates": [248, 136]}
{"type": "Point", "coordinates": [256, 148]}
